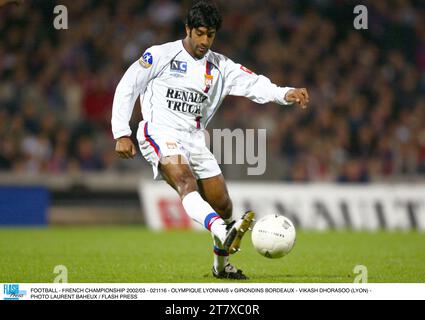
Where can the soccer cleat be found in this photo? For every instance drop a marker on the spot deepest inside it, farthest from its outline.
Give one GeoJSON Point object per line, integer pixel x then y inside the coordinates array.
{"type": "Point", "coordinates": [229, 272]}
{"type": "Point", "coordinates": [236, 231]}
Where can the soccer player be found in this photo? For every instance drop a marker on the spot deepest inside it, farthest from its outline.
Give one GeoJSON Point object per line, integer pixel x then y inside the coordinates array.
{"type": "Point", "coordinates": [181, 84]}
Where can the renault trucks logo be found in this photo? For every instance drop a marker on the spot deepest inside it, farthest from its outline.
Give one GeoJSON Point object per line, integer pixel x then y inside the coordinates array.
{"type": "Point", "coordinates": [12, 292]}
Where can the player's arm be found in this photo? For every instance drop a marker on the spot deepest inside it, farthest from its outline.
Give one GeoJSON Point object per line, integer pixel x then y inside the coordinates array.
{"type": "Point", "coordinates": [240, 81]}
{"type": "Point", "coordinates": [132, 84]}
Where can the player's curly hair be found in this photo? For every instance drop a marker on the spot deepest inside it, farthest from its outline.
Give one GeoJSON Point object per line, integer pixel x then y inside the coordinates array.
{"type": "Point", "coordinates": [204, 13]}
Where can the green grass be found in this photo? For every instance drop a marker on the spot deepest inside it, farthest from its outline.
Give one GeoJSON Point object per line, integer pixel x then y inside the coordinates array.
{"type": "Point", "coordinates": [137, 255]}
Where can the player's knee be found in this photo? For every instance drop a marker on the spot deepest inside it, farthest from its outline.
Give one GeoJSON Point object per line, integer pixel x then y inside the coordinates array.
{"type": "Point", "coordinates": [186, 184]}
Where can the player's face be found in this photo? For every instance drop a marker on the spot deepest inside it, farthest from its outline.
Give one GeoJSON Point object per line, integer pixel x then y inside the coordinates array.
{"type": "Point", "coordinates": [200, 40]}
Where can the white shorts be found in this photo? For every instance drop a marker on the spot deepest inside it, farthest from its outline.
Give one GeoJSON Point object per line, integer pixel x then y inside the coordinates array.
{"type": "Point", "coordinates": [157, 142]}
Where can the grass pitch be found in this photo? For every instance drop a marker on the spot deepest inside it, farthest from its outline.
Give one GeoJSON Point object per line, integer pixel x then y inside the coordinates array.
{"type": "Point", "coordinates": [136, 255]}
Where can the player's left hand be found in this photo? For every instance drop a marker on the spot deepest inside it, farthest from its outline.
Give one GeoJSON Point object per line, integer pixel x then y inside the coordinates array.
{"type": "Point", "coordinates": [299, 96]}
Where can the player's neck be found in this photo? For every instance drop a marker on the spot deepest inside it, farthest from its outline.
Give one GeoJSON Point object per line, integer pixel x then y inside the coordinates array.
{"type": "Point", "coordinates": [189, 49]}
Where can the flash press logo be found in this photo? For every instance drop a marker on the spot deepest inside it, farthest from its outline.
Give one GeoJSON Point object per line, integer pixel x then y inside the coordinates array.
{"type": "Point", "coordinates": [12, 292]}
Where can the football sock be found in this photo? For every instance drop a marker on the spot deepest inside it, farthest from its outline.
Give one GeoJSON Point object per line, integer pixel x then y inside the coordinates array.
{"type": "Point", "coordinates": [221, 256]}
{"type": "Point", "coordinates": [200, 211]}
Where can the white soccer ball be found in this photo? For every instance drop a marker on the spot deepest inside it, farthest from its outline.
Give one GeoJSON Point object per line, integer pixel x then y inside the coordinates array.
{"type": "Point", "coordinates": [273, 236]}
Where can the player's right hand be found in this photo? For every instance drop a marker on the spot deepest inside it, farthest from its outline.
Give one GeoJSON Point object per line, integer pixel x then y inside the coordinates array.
{"type": "Point", "coordinates": [298, 96]}
{"type": "Point", "coordinates": [125, 148]}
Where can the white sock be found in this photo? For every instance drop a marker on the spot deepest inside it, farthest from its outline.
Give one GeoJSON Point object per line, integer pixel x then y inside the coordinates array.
{"type": "Point", "coordinates": [200, 211]}
{"type": "Point", "coordinates": [221, 256]}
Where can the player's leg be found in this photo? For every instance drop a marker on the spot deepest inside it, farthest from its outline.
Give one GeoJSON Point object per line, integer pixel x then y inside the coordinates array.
{"type": "Point", "coordinates": [214, 191]}
{"type": "Point", "coordinates": [169, 159]}
{"type": "Point", "coordinates": [162, 150]}
{"type": "Point", "coordinates": [178, 174]}
{"type": "Point", "coordinates": [211, 181]}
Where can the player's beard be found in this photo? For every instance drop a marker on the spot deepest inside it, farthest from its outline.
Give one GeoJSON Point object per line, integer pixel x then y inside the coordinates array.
{"type": "Point", "coordinates": [198, 50]}
{"type": "Point", "coordinates": [201, 51]}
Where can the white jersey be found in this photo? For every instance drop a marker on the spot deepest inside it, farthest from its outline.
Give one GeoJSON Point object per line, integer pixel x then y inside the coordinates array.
{"type": "Point", "coordinates": [180, 92]}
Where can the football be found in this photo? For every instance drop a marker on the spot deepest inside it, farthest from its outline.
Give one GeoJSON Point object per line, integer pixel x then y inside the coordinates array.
{"type": "Point", "coordinates": [273, 236]}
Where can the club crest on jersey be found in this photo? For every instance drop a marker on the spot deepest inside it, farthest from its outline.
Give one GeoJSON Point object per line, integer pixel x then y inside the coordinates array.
{"type": "Point", "coordinates": [147, 60]}
{"type": "Point", "coordinates": [208, 77]}
{"type": "Point", "coordinates": [208, 80]}
{"type": "Point", "coordinates": [178, 66]}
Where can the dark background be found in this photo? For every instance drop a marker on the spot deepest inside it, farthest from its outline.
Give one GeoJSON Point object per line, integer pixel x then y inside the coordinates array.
{"type": "Point", "coordinates": [366, 120]}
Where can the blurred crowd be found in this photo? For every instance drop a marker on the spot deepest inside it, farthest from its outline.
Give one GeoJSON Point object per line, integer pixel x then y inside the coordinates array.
{"type": "Point", "coordinates": [366, 120]}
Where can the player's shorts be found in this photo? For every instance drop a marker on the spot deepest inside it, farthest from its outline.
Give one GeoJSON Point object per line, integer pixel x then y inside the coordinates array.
{"type": "Point", "coordinates": [157, 142]}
